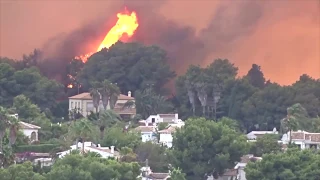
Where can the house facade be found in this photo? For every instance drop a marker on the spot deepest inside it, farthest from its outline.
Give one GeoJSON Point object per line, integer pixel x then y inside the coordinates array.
{"type": "Point", "coordinates": [105, 152]}
{"type": "Point", "coordinates": [303, 139]}
{"type": "Point", "coordinates": [166, 136]}
{"type": "Point", "coordinates": [253, 135]}
{"type": "Point", "coordinates": [163, 118]}
{"type": "Point", "coordinates": [29, 130]}
{"type": "Point", "coordinates": [83, 102]}
{"type": "Point", "coordinates": [147, 133]}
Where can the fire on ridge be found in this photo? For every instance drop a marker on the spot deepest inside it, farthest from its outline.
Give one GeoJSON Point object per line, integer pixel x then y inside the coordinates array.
{"type": "Point", "coordinates": [126, 24]}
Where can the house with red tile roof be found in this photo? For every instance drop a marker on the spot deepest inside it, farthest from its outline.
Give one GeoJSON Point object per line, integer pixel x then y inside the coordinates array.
{"type": "Point", "coordinates": [303, 139]}
{"type": "Point", "coordinates": [83, 102]}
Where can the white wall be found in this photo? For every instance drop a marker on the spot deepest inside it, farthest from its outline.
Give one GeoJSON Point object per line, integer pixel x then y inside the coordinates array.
{"type": "Point", "coordinates": [167, 139]}
{"type": "Point", "coordinates": [28, 132]}
{"type": "Point", "coordinates": [82, 104]}
{"type": "Point", "coordinates": [146, 136]}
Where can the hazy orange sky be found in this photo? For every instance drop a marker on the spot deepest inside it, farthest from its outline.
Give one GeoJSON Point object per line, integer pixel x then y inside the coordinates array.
{"type": "Point", "coordinates": [285, 41]}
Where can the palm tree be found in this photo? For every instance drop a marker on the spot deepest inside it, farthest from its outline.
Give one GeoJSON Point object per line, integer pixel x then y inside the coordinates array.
{"type": "Point", "coordinates": [191, 95]}
{"type": "Point", "coordinates": [81, 130]}
{"type": "Point", "coordinates": [114, 94]}
{"type": "Point", "coordinates": [94, 93]}
{"type": "Point", "coordinates": [105, 93]}
{"type": "Point", "coordinates": [3, 125]}
{"type": "Point", "coordinates": [290, 123]}
{"type": "Point", "coordinates": [107, 119]}
{"type": "Point", "coordinates": [202, 95]}
{"type": "Point", "coordinates": [148, 102]}
{"type": "Point", "coordinates": [13, 130]}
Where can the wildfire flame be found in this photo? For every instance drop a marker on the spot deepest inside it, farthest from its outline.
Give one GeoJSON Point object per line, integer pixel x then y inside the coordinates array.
{"type": "Point", "coordinates": [70, 86]}
{"type": "Point", "coordinates": [126, 24]}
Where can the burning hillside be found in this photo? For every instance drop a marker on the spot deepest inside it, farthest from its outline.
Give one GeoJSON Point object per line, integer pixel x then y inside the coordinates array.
{"type": "Point", "coordinates": [124, 28]}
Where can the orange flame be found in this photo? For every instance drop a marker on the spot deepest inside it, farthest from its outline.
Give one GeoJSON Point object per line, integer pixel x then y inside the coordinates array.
{"type": "Point", "coordinates": [70, 86]}
{"type": "Point", "coordinates": [126, 24]}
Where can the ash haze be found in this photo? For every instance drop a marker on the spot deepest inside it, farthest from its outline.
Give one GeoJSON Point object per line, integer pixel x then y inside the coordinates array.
{"type": "Point", "coordinates": [283, 36]}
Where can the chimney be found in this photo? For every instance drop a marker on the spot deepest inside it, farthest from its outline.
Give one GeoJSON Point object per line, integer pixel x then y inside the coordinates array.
{"type": "Point", "coordinates": [112, 149]}
{"type": "Point", "coordinates": [129, 93]}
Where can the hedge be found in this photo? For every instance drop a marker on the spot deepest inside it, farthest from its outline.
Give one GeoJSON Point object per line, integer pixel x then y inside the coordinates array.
{"type": "Point", "coordinates": [39, 148]}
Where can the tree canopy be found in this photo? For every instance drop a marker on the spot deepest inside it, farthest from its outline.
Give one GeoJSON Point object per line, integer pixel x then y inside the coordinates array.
{"type": "Point", "coordinates": [203, 147]}
{"type": "Point", "coordinates": [132, 66]}
{"type": "Point", "coordinates": [293, 164]}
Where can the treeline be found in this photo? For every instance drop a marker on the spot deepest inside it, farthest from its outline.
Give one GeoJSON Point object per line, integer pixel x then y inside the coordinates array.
{"type": "Point", "coordinates": [213, 92]}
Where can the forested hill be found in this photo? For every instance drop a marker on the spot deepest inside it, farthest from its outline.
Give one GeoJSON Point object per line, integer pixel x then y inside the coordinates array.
{"type": "Point", "coordinates": [256, 103]}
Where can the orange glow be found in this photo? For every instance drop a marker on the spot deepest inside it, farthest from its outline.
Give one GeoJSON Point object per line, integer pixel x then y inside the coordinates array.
{"type": "Point", "coordinates": [84, 58]}
{"type": "Point", "coordinates": [126, 24]}
{"type": "Point", "coordinates": [70, 86]}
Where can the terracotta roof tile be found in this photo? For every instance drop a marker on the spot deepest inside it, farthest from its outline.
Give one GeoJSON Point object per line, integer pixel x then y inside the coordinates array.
{"type": "Point", "coordinates": [24, 125]}
{"type": "Point", "coordinates": [158, 176]}
{"type": "Point", "coordinates": [86, 96]}
{"type": "Point", "coordinates": [168, 130]}
{"type": "Point", "coordinates": [231, 172]}
{"type": "Point", "coordinates": [314, 137]}
{"type": "Point", "coordinates": [145, 128]}
{"type": "Point", "coordinates": [297, 135]}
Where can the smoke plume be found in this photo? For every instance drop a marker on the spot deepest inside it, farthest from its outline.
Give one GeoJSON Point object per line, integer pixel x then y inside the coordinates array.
{"type": "Point", "coordinates": [281, 36]}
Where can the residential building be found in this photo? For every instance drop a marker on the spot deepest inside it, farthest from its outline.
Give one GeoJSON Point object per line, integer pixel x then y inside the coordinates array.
{"type": "Point", "coordinates": [166, 137]}
{"type": "Point", "coordinates": [165, 118]}
{"type": "Point", "coordinates": [83, 102]}
{"type": "Point", "coordinates": [105, 152]}
{"type": "Point", "coordinates": [43, 162]}
{"type": "Point", "coordinates": [29, 130]}
{"type": "Point", "coordinates": [241, 174]}
{"type": "Point", "coordinates": [229, 174]}
{"type": "Point", "coordinates": [303, 139]}
{"type": "Point", "coordinates": [253, 135]}
{"type": "Point", "coordinates": [148, 133]}
{"type": "Point", "coordinates": [147, 174]}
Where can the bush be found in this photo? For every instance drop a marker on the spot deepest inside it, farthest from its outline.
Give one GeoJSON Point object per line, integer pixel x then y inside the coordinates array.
{"type": "Point", "coordinates": [39, 148]}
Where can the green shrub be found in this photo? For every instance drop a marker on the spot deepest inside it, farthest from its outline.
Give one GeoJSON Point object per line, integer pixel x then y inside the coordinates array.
{"type": "Point", "coordinates": [40, 148]}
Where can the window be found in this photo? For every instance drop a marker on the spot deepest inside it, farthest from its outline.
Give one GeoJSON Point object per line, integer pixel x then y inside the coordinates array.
{"type": "Point", "coordinates": [89, 106]}
{"type": "Point", "coordinates": [153, 120]}
{"type": "Point", "coordinates": [313, 146]}
{"type": "Point", "coordinates": [71, 105]}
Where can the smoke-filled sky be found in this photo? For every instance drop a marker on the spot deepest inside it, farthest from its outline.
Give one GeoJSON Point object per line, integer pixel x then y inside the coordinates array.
{"type": "Point", "coordinates": [282, 36]}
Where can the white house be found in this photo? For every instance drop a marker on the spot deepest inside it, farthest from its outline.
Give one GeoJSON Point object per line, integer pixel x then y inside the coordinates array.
{"type": "Point", "coordinates": [105, 152]}
{"type": "Point", "coordinates": [29, 130]}
{"type": "Point", "coordinates": [83, 102]}
{"type": "Point", "coordinates": [253, 135]}
{"type": "Point", "coordinates": [44, 162]}
{"type": "Point", "coordinates": [166, 118]}
{"type": "Point", "coordinates": [147, 133]}
{"type": "Point", "coordinates": [303, 139]}
{"type": "Point", "coordinates": [147, 174]}
{"type": "Point", "coordinates": [241, 174]}
{"type": "Point", "coordinates": [166, 137]}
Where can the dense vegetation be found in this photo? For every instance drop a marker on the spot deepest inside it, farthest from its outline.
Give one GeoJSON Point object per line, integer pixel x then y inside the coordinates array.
{"type": "Point", "coordinates": [216, 103]}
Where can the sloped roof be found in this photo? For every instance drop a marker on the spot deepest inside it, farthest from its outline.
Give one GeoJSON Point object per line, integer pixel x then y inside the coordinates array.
{"type": "Point", "coordinates": [169, 130]}
{"type": "Point", "coordinates": [145, 128]}
{"type": "Point", "coordinates": [116, 153]}
{"type": "Point", "coordinates": [158, 176]}
{"type": "Point", "coordinates": [86, 96]}
{"type": "Point", "coordinates": [230, 172]}
{"type": "Point", "coordinates": [24, 125]}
